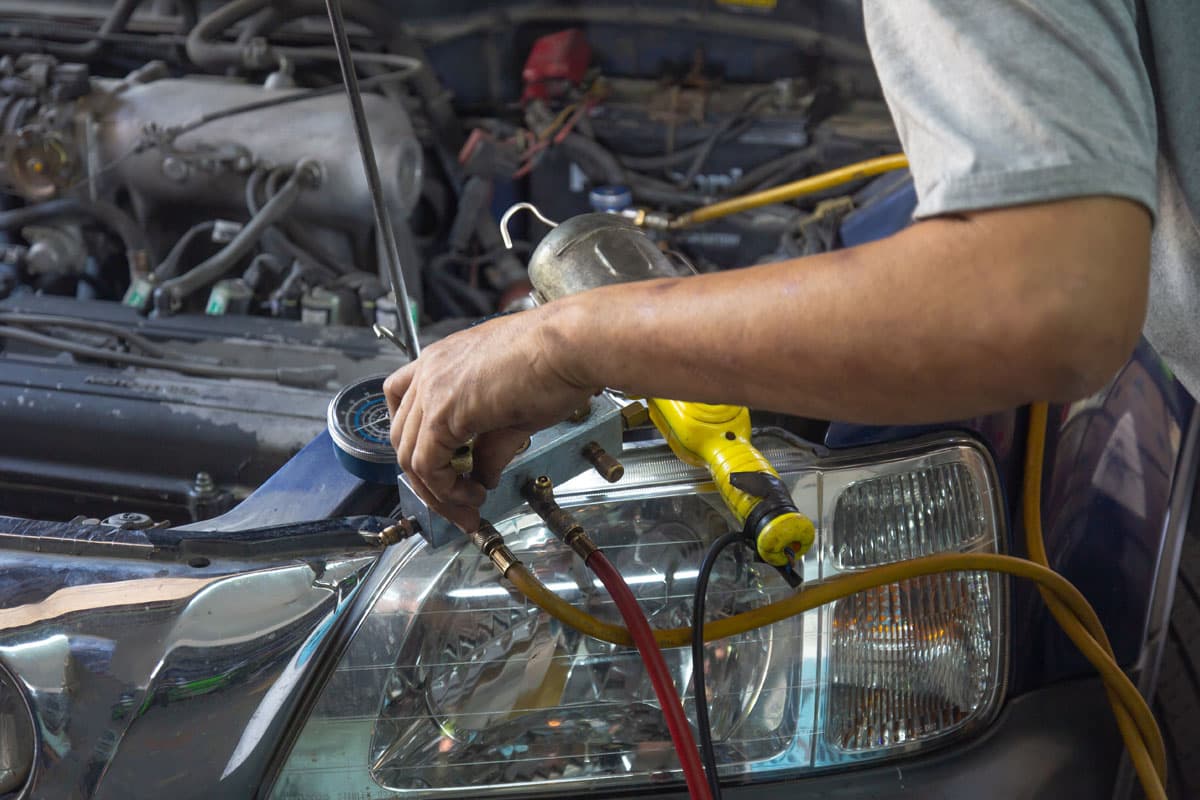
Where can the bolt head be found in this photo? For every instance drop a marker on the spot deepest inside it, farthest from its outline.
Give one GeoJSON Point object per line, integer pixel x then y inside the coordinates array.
{"type": "Point", "coordinates": [175, 169]}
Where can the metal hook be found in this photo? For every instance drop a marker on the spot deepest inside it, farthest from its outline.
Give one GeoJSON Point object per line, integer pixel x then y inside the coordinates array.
{"type": "Point", "coordinates": [532, 209]}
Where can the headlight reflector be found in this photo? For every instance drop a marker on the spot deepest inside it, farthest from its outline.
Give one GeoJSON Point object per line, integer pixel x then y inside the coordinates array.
{"type": "Point", "coordinates": [910, 661]}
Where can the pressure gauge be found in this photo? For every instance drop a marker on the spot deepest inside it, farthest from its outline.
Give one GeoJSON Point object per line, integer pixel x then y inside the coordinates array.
{"type": "Point", "coordinates": [360, 428]}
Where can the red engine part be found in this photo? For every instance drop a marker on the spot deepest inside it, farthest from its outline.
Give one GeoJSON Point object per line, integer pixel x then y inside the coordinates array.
{"type": "Point", "coordinates": [556, 62]}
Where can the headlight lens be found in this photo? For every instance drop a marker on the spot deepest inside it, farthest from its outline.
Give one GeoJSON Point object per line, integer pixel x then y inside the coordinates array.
{"type": "Point", "coordinates": [456, 686]}
{"type": "Point", "coordinates": [17, 737]}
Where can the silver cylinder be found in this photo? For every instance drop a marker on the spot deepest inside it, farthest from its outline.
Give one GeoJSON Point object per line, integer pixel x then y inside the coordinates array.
{"type": "Point", "coordinates": [317, 128]}
{"type": "Point", "coordinates": [593, 250]}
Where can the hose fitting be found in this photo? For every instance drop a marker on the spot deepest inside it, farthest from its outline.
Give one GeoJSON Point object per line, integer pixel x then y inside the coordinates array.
{"type": "Point", "coordinates": [539, 493]}
{"type": "Point", "coordinates": [491, 544]}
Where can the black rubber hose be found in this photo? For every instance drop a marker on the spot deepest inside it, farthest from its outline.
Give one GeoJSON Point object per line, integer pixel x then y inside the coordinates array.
{"type": "Point", "coordinates": [26, 320]}
{"type": "Point", "coordinates": [776, 170]}
{"type": "Point", "coordinates": [684, 154]}
{"type": "Point", "coordinates": [169, 266]}
{"type": "Point", "coordinates": [202, 46]}
{"type": "Point", "coordinates": [293, 240]}
{"type": "Point", "coordinates": [171, 293]}
{"type": "Point", "coordinates": [703, 724]}
{"type": "Point", "coordinates": [476, 299]}
{"type": "Point", "coordinates": [115, 22]}
{"type": "Point", "coordinates": [313, 377]}
{"type": "Point", "coordinates": [601, 166]}
{"type": "Point", "coordinates": [112, 217]}
{"type": "Point", "coordinates": [593, 158]}
{"type": "Point", "coordinates": [206, 50]}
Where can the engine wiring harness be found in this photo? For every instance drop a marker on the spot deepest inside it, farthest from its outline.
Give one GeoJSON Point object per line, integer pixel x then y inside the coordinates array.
{"type": "Point", "coordinates": [1135, 721]}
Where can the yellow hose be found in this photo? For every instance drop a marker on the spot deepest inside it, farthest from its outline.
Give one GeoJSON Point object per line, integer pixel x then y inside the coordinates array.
{"type": "Point", "coordinates": [1069, 607]}
{"type": "Point", "coordinates": [1140, 732]}
{"type": "Point", "coordinates": [790, 191]}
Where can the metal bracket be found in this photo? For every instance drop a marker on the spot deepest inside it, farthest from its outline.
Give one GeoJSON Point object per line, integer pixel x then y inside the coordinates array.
{"type": "Point", "coordinates": [559, 452]}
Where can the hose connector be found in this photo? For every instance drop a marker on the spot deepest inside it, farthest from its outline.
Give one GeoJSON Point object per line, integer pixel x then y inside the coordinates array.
{"type": "Point", "coordinates": [539, 493]}
{"type": "Point", "coordinates": [491, 544]}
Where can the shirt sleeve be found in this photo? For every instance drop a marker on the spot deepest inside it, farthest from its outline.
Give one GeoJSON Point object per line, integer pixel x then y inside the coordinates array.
{"type": "Point", "coordinates": [1004, 102]}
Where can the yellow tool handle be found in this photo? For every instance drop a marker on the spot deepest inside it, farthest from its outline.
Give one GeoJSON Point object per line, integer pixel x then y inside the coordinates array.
{"type": "Point", "coordinates": [718, 437]}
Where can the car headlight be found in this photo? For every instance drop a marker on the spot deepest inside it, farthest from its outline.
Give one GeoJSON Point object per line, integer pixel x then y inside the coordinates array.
{"type": "Point", "coordinates": [454, 685]}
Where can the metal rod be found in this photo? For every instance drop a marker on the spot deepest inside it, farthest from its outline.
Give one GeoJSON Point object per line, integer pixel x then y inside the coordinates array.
{"type": "Point", "coordinates": [383, 220]}
{"type": "Point", "coordinates": [513, 209]}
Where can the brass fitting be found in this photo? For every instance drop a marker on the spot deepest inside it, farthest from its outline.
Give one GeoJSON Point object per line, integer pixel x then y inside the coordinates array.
{"type": "Point", "coordinates": [392, 534]}
{"type": "Point", "coordinates": [491, 544]}
{"type": "Point", "coordinates": [634, 415]}
{"type": "Point", "coordinates": [462, 461]}
{"type": "Point", "coordinates": [609, 468]}
{"type": "Point", "coordinates": [540, 495]}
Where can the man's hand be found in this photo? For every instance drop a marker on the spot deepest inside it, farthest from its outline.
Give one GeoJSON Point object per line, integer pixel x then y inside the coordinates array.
{"type": "Point", "coordinates": [498, 383]}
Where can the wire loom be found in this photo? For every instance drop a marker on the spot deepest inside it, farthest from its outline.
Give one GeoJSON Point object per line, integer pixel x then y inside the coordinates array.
{"type": "Point", "coordinates": [1139, 730]}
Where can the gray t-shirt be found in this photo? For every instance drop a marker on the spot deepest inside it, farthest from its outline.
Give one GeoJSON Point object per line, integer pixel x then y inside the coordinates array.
{"type": "Point", "coordinates": [1001, 103]}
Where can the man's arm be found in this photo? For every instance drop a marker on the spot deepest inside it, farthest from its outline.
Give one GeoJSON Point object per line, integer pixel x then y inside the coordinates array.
{"type": "Point", "coordinates": [949, 318]}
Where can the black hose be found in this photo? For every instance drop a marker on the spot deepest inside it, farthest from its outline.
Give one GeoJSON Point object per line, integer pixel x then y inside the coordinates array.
{"type": "Point", "coordinates": [744, 118]}
{"type": "Point", "coordinates": [703, 724]}
{"type": "Point", "coordinates": [684, 154]}
{"type": "Point", "coordinates": [169, 266]}
{"type": "Point", "coordinates": [293, 240]}
{"type": "Point", "coordinates": [204, 49]}
{"type": "Point", "coordinates": [602, 167]}
{"type": "Point", "coordinates": [171, 293]}
{"type": "Point", "coordinates": [21, 319]}
{"type": "Point", "coordinates": [112, 217]}
{"type": "Point", "coordinates": [115, 22]}
{"type": "Point", "coordinates": [312, 377]}
{"type": "Point", "coordinates": [775, 171]}
{"type": "Point", "coordinates": [476, 299]}
{"type": "Point", "coordinates": [593, 158]}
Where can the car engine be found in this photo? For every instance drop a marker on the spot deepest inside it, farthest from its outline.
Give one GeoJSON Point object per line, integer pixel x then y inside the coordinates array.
{"type": "Point", "coordinates": [189, 266]}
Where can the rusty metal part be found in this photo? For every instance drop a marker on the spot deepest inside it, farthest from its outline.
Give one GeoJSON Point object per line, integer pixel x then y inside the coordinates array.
{"type": "Point", "coordinates": [609, 467]}
{"type": "Point", "coordinates": [491, 544]}
{"type": "Point", "coordinates": [539, 493]}
{"type": "Point", "coordinates": [635, 415]}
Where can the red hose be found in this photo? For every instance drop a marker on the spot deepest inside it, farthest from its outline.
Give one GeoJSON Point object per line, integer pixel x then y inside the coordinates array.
{"type": "Point", "coordinates": [664, 686]}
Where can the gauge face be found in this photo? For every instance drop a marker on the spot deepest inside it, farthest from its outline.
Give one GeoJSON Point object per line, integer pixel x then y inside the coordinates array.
{"type": "Point", "coordinates": [359, 423]}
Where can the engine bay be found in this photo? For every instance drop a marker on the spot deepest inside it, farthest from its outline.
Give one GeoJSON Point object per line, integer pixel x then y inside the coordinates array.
{"type": "Point", "coordinates": [189, 266]}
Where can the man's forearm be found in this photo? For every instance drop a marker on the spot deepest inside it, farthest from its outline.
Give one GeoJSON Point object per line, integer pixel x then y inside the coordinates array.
{"type": "Point", "coordinates": [946, 319]}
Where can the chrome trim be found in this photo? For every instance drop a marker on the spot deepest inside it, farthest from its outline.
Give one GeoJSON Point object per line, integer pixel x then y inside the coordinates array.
{"type": "Point", "coordinates": [121, 659]}
{"type": "Point", "coordinates": [1162, 597]}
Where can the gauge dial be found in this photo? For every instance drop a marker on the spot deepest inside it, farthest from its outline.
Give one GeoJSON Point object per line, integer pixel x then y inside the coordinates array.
{"type": "Point", "coordinates": [359, 426]}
